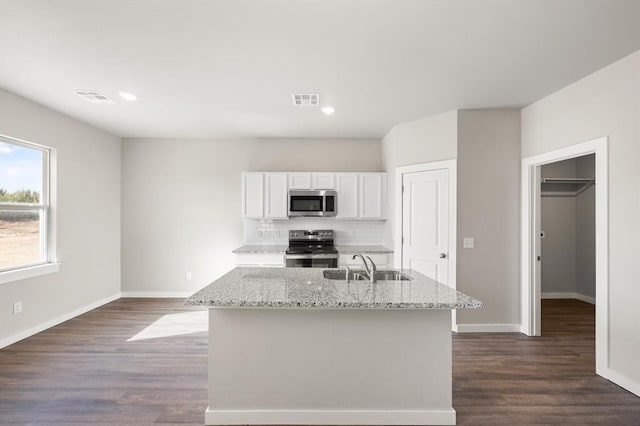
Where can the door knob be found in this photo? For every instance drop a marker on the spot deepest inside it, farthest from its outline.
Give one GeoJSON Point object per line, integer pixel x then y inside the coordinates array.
{"type": "Point", "coordinates": [443, 255]}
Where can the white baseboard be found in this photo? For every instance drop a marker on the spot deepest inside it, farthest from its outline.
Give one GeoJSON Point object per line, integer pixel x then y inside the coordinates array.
{"type": "Point", "coordinates": [488, 328]}
{"type": "Point", "coordinates": [41, 327]}
{"type": "Point", "coordinates": [622, 381]}
{"type": "Point", "coordinates": [158, 294]}
{"type": "Point", "coordinates": [569, 295]}
{"type": "Point", "coordinates": [330, 417]}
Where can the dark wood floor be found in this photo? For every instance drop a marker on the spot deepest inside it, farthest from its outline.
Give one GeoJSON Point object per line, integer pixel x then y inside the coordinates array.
{"type": "Point", "coordinates": [86, 371]}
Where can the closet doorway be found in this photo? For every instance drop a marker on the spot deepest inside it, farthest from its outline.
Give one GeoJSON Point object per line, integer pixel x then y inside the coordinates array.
{"type": "Point", "coordinates": [567, 245]}
{"type": "Point", "coordinates": [532, 238]}
{"type": "Point", "coordinates": [567, 222]}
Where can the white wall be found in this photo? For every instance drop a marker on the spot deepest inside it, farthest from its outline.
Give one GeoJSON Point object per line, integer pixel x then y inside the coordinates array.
{"type": "Point", "coordinates": [421, 141]}
{"type": "Point", "coordinates": [88, 216]}
{"type": "Point", "coordinates": [181, 201]}
{"type": "Point", "coordinates": [488, 211]}
{"type": "Point", "coordinates": [606, 103]}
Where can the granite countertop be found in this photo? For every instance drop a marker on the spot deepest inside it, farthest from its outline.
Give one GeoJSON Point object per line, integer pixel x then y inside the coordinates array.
{"type": "Point", "coordinates": [344, 249]}
{"type": "Point", "coordinates": [255, 249]}
{"type": "Point", "coordinates": [307, 288]}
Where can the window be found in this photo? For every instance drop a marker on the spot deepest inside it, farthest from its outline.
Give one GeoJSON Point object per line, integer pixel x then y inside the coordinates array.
{"type": "Point", "coordinates": [24, 204]}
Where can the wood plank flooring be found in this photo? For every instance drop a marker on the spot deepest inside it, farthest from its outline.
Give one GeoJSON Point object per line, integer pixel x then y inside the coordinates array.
{"type": "Point", "coordinates": [109, 366]}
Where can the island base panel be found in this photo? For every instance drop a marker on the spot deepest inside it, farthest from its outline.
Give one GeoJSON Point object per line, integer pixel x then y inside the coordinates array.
{"type": "Point", "coordinates": [329, 366]}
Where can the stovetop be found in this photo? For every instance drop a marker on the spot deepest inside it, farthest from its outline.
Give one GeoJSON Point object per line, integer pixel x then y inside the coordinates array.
{"type": "Point", "coordinates": [311, 242]}
{"type": "Point", "coordinates": [311, 249]}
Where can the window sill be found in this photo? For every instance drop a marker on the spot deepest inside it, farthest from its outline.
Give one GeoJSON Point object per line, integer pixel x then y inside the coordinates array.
{"type": "Point", "coordinates": [28, 272]}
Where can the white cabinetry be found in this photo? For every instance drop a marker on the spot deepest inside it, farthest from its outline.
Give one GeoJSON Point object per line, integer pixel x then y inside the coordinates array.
{"type": "Point", "coordinates": [347, 189]}
{"type": "Point", "coordinates": [275, 195]}
{"type": "Point", "coordinates": [252, 195]}
{"type": "Point", "coordinates": [323, 180]}
{"type": "Point", "coordinates": [299, 180]}
{"type": "Point", "coordinates": [373, 193]}
{"type": "Point", "coordinates": [264, 195]}
{"type": "Point", "coordinates": [360, 195]}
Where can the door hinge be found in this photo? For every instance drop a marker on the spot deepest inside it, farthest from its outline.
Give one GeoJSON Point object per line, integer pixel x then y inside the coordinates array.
{"type": "Point", "coordinates": [403, 188]}
{"type": "Point", "coordinates": [538, 258]}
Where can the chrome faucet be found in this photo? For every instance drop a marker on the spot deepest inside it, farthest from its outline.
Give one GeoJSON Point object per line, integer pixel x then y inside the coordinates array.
{"type": "Point", "coordinates": [370, 270]}
{"type": "Point", "coordinates": [347, 273]}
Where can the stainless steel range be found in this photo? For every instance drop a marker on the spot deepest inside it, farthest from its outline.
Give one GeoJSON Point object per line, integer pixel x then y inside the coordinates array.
{"type": "Point", "coordinates": [311, 249]}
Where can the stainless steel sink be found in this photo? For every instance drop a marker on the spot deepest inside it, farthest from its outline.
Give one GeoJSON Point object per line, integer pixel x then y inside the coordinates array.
{"type": "Point", "coordinates": [392, 275]}
{"type": "Point", "coordinates": [384, 275]}
{"type": "Point", "coordinates": [340, 274]}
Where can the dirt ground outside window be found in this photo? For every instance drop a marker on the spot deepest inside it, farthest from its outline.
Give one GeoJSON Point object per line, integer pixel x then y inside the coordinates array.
{"type": "Point", "coordinates": [19, 242]}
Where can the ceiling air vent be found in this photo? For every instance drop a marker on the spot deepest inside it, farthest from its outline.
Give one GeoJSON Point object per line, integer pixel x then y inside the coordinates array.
{"type": "Point", "coordinates": [306, 99]}
{"type": "Point", "coordinates": [94, 97]}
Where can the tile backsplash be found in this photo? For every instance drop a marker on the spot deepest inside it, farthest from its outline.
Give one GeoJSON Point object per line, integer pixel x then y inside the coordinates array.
{"type": "Point", "coordinates": [276, 232]}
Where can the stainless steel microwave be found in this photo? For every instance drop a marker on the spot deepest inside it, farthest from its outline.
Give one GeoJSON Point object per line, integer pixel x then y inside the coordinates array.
{"type": "Point", "coordinates": [322, 203]}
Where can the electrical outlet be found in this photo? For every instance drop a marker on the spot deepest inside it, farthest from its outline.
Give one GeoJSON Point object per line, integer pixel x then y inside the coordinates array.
{"type": "Point", "coordinates": [188, 276]}
{"type": "Point", "coordinates": [468, 243]}
{"type": "Point", "coordinates": [17, 307]}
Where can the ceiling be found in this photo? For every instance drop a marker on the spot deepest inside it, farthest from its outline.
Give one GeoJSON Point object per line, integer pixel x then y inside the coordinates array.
{"type": "Point", "coordinates": [226, 69]}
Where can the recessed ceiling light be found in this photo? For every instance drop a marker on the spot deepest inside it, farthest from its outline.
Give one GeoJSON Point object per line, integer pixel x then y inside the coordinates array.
{"type": "Point", "coordinates": [328, 110]}
{"type": "Point", "coordinates": [128, 96]}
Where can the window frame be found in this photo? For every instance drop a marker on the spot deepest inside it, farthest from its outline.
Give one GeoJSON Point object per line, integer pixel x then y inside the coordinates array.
{"type": "Point", "coordinates": [47, 263]}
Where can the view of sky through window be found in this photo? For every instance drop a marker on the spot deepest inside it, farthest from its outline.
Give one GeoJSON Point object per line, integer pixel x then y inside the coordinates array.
{"type": "Point", "coordinates": [20, 168]}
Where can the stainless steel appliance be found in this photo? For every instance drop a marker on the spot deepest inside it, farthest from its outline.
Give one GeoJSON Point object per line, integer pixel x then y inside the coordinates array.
{"type": "Point", "coordinates": [311, 249]}
{"type": "Point", "coordinates": [320, 203]}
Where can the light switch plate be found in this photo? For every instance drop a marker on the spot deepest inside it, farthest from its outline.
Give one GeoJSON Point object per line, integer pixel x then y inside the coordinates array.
{"type": "Point", "coordinates": [468, 243]}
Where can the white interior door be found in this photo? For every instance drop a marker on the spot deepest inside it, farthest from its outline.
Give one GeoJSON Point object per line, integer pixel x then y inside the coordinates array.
{"type": "Point", "coordinates": [425, 223]}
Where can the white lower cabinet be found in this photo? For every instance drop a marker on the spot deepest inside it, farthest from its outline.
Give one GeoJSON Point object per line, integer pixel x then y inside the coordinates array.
{"type": "Point", "coordinates": [382, 260]}
{"type": "Point", "coordinates": [273, 260]}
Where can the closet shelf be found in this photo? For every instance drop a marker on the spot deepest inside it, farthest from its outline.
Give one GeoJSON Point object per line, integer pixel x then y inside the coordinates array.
{"type": "Point", "coordinates": [565, 187]}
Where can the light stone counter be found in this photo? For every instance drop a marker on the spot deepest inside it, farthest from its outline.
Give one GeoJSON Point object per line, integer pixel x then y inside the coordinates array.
{"type": "Point", "coordinates": [259, 249]}
{"type": "Point", "coordinates": [307, 288]}
{"type": "Point", "coordinates": [347, 249]}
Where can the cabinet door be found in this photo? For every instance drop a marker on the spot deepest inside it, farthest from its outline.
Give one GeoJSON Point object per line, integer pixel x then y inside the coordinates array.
{"type": "Point", "coordinates": [275, 195]}
{"type": "Point", "coordinates": [323, 181]}
{"type": "Point", "coordinates": [372, 195]}
{"type": "Point", "coordinates": [347, 189]}
{"type": "Point", "coordinates": [299, 180]}
{"type": "Point", "coordinates": [252, 195]}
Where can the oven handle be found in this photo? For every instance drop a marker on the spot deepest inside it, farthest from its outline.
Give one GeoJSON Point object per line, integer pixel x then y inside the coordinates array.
{"type": "Point", "coordinates": [310, 256]}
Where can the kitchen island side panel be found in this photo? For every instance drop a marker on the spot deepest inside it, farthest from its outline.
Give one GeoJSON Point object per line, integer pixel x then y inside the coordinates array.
{"type": "Point", "coordinates": [329, 366]}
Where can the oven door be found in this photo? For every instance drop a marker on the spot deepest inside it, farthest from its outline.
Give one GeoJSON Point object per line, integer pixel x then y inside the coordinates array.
{"type": "Point", "coordinates": [311, 261]}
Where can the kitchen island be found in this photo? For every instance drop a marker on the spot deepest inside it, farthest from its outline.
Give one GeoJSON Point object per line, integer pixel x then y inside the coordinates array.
{"type": "Point", "coordinates": [289, 346]}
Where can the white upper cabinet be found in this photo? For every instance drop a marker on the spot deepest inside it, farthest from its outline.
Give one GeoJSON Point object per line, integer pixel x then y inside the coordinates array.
{"type": "Point", "coordinates": [275, 195]}
{"type": "Point", "coordinates": [323, 180]}
{"type": "Point", "coordinates": [252, 195]}
{"type": "Point", "coordinates": [299, 180]}
{"type": "Point", "coordinates": [373, 194]}
{"type": "Point", "coordinates": [347, 189]}
{"type": "Point", "coordinates": [360, 195]}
